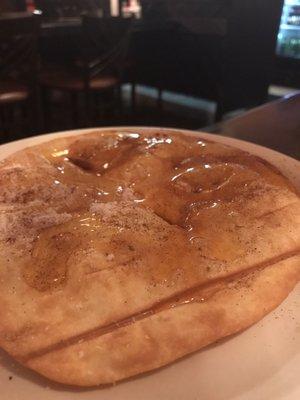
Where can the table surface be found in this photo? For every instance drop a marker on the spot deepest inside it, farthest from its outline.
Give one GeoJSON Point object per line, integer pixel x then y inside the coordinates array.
{"type": "Point", "coordinates": [275, 125]}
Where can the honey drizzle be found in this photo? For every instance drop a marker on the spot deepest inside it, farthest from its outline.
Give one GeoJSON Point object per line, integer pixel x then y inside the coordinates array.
{"type": "Point", "coordinates": [182, 179]}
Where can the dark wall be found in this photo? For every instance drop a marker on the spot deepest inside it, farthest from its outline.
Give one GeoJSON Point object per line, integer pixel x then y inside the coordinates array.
{"type": "Point", "coordinates": [179, 9]}
{"type": "Point", "coordinates": [191, 54]}
{"type": "Point", "coordinates": [12, 5]}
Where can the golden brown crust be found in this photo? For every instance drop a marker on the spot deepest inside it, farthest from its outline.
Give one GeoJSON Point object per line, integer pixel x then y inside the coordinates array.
{"type": "Point", "coordinates": [164, 337]}
{"type": "Point", "coordinates": [106, 237]}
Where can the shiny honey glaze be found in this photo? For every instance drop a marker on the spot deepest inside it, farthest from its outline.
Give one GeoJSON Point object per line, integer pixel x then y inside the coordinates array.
{"type": "Point", "coordinates": [193, 186]}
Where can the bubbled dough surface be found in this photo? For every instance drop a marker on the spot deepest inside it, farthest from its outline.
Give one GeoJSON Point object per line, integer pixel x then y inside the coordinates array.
{"type": "Point", "coordinates": [122, 240]}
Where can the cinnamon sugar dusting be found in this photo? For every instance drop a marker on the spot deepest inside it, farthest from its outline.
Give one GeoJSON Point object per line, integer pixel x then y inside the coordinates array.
{"type": "Point", "coordinates": [200, 192]}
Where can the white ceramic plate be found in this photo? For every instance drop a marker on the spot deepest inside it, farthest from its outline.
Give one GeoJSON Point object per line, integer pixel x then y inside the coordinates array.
{"type": "Point", "coordinates": [262, 363]}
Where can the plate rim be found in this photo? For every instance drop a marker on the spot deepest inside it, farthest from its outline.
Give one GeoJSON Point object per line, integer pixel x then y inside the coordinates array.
{"type": "Point", "coordinates": [34, 140]}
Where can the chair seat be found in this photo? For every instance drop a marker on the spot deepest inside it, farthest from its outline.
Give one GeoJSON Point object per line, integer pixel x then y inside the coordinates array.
{"type": "Point", "coordinates": [65, 81]}
{"type": "Point", "coordinates": [13, 92]}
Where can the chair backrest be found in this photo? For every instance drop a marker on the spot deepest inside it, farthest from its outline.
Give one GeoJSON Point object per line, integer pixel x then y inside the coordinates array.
{"type": "Point", "coordinates": [54, 9]}
{"type": "Point", "coordinates": [18, 47]}
{"type": "Point", "coordinates": [105, 40]}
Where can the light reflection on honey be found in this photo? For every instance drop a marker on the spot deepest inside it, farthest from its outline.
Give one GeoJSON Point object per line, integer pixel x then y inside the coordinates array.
{"type": "Point", "coordinates": [180, 179]}
{"type": "Point", "coordinates": [60, 153]}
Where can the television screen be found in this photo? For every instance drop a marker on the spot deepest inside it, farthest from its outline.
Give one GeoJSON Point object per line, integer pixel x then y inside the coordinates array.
{"type": "Point", "coordinates": [288, 44]}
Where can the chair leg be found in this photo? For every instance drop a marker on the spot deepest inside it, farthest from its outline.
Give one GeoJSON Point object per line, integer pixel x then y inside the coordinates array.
{"type": "Point", "coordinates": [46, 110]}
{"type": "Point", "coordinates": [133, 97]}
{"type": "Point", "coordinates": [2, 129]}
{"type": "Point", "coordinates": [26, 120]}
{"type": "Point", "coordinates": [159, 101]}
{"type": "Point", "coordinates": [10, 125]}
{"type": "Point", "coordinates": [3, 119]}
{"type": "Point", "coordinates": [74, 101]}
{"type": "Point", "coordinates": [101, 108]}
{"type": "Point", "coordinates": [219, 111]}
{"type": "Point", "coordinates": [119, 99]}
{"type": "Point", "coordinates": [221, 105]}
{"type": "Point", "coordinates": [38, 112]}
{"type": "Point", "coordinates": [5, 124]}
{"type": "Point", "coordinates": [87, 98]}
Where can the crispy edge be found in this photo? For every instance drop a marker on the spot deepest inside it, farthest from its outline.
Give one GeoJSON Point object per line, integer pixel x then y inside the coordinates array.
{"type": "Point", "coordinates": [166, 336]}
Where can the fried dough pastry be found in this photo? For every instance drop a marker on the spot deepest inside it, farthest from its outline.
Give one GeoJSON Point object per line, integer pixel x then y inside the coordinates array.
{"type": "Point", "coordinates": [122, 251]}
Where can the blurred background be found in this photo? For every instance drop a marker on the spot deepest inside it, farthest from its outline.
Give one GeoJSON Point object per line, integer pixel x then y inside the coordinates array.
{"type": "Point", "coordinates": [229, 67]}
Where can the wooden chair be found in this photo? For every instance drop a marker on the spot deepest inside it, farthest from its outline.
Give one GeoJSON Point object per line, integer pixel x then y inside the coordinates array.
{"type": "Point", "coordinates": [18, 70]}
{"type": "Point", "coordinates": [275, 124]}
{"type": "Point", "coordinates": [97, 68]}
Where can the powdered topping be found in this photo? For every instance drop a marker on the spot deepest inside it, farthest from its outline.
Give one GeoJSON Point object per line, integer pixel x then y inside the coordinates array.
{"type": "Point", "coordinates": [22, 226]}
{"type": "Point", "coordinates": [159, 181]}
{"type": "Point", "coordinates": [106, 210]}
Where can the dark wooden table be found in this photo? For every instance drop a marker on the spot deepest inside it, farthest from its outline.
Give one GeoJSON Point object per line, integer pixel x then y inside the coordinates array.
{"type": "Point", "coordinates": [275, 125]}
